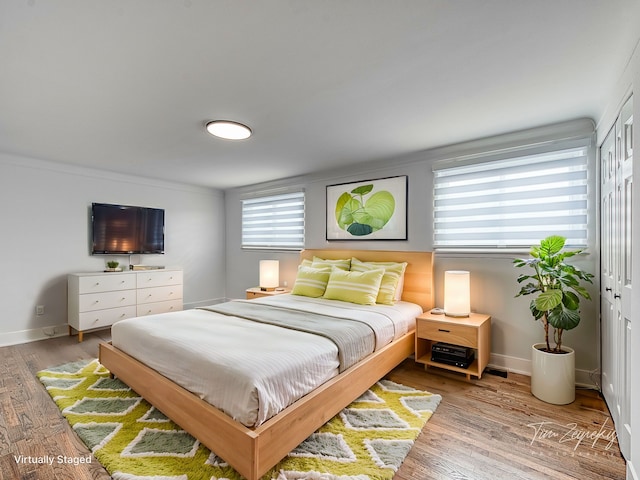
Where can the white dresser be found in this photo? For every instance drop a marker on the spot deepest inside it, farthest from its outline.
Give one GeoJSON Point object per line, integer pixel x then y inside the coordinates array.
{"type": "Point", "coordinates": [98, 300]}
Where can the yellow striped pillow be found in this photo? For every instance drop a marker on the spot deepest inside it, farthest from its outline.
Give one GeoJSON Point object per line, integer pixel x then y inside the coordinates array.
{"type": "Point", "coordinates": [311, 282]}
{"type": "Point", "coordinates": [354, 287]}
{"type": "Point", "coordinates": [342, 264]}
{"type": "Point", "coordinates": [393, 276]}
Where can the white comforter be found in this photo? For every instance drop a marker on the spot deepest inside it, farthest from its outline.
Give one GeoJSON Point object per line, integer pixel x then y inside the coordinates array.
{"type": "Point", "coordinates": [250, 370]}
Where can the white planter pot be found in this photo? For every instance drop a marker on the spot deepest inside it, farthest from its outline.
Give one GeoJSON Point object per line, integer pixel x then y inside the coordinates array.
{"type": "Point", "coordinates": [553, 375]}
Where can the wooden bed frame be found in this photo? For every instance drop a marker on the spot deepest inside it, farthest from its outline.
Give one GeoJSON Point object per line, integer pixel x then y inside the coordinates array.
{"type": "Point", "coordinates": [253, 451]}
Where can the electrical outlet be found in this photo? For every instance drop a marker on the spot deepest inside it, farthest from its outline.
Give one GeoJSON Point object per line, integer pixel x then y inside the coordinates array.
{"type": "Point", "coordinates": [39, 309]}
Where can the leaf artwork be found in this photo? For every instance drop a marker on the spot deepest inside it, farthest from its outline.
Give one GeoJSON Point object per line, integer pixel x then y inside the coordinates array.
{"type": "Point", "coordinates": [362, 216]}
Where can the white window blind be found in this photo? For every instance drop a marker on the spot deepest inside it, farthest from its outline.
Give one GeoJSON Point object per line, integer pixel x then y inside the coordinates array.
{"type": "Point", "coordinates": [274, 222]}
{"type": "Point", "coordinates": [514, 202]}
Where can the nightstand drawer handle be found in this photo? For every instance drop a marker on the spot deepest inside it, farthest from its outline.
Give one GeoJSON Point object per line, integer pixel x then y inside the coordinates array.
{"type": "Point", "coordinates": [443, 330]}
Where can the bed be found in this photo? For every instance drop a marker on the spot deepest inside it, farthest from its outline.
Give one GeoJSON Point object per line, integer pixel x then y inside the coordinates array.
{"type": "Point", "coordinates": [253, 450]}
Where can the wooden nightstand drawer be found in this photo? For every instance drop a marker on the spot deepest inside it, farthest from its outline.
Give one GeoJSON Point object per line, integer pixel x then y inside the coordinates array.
{"type": "Point", "coordinates": [449, 333]}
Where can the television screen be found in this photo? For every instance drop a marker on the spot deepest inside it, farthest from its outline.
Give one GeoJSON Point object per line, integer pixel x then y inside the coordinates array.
{"type": "Point", "coordinates": [124, 229]}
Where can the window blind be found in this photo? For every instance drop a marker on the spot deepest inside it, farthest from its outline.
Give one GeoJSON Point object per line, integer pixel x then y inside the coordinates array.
{"type": "Point", "coordinates": [513, 202]}
{"type": "Point", "coordinates": [274, 222]}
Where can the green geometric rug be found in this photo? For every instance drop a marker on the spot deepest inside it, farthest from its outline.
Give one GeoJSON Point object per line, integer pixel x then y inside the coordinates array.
{"type": "Point", "coordinates": [368, 440]}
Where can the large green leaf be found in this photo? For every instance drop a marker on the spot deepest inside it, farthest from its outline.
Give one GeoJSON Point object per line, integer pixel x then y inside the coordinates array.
{"type": "Point", "coordinates": [380, 206]}
{"type": "Point", "coordinates": [570, 301]}
{"type": "Point", "coordinates": [363, 189]}
{"type": "Point", "coordinates": [345, 208]}
{"type": "Point", "coordinates": [564, 319]}
{"type": "Point", "coordinates": [364, 217]}
{"type": "Point", "coordinates": [549, 300]}
{"type": "Point", "coordinates": [551, 245]}
{"type": "Point", "coordinates": [359, 229]}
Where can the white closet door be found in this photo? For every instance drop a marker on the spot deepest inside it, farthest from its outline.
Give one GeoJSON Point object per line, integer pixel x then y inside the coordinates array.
{"type": "Point", "coordinates": [616, 160]}
{"type": "Point", "coordinates": [608, 330]}
{"type": "Point", "coordinates": [624, 279]}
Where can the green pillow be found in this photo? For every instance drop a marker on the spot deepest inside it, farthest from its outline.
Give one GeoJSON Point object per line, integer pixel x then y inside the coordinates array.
{"type": "Point", "coordinates": [311, 282]}
{"type": "Point", "coordinates": [354, 287]}
{"type": "Point", "coordinates": [393, 274]}
{"type": "Point", "coordinates": [344, 264]}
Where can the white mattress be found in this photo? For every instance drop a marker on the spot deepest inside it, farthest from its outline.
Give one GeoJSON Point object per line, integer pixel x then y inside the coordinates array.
{"type": "Point", "coordinates": [250, 370]}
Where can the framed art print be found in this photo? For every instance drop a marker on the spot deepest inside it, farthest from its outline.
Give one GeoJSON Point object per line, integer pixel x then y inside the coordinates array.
{"type": "Point", "coordinates": [368, 210]}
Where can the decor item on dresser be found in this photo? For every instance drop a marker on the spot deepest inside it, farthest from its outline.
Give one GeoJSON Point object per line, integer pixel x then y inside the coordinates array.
{"type": "Point", "coordinates": [457, 296]}
{"type": "Point", "coordinates": [98, 300]}
{"type": "Point", "coordinates": [368, 210]}
{"type": "Point", "coordinates": [557, 289]}
{"type": "Point", "coordinates": [269, 275]}
{"type": "Point", "coordinates": [112, 266]}
{"type": "Point", "coordinates": [287, 362]}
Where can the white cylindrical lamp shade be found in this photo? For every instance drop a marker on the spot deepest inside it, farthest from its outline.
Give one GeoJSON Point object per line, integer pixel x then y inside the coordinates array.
{"type": "Point", "coordinates": [457, 293]}
{"type": "Point", "coordinates": [269, 274]}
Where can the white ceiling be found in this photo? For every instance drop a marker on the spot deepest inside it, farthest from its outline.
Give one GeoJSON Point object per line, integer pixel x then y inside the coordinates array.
{"type": "Point", "coordinates": [128, 85]}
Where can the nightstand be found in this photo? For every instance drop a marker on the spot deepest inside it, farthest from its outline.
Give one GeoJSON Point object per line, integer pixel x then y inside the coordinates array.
{"type": "Point", "coordinates": [473, 331]}
{"type": "Point", "coordinates": [255, 292]}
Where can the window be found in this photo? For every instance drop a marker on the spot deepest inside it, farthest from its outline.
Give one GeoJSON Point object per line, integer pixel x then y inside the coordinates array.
{"type": "Point", "coordinates": [274, 222]}
{"type": "Point", "coordinates": [512, 202]}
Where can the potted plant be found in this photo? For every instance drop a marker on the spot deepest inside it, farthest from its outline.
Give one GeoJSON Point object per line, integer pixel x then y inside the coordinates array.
{"type": "Point", "coordinates": [557, 288]}
{"type": "Point", "coordinates": [112, 266]}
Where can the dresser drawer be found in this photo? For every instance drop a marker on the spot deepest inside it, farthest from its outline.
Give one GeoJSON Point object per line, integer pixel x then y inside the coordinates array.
{"type": "Point", "coordinates": [99, 301]}
{"type": "Point", "coordinates": [159, 278]}
{"type": "Point", "coordinates": [159, 294]}
{"type": "Point", "coordinates": [447, 332]}
{"type": "Point", "coordinates": [106, 283]}
{"type": "Point", "coordinates": [159, 307]}
{"type": "Point", "coordinates": [104, 318]}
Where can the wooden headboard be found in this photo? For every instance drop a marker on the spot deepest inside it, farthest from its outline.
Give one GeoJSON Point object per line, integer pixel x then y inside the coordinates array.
{"type": "Point", "coordinates": [418, 277]}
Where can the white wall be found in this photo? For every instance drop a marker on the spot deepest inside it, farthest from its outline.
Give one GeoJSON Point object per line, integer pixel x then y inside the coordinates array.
{"type": "Point", "coordinates": [44, 234]}
{"type": "Point", "coordinates": [493, 277]}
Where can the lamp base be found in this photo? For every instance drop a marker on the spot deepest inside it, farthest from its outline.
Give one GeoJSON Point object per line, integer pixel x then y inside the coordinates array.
{"type": "Point", "coordinates": [456, 315]}
{"type": "Point", "coordinates": [267, 289]}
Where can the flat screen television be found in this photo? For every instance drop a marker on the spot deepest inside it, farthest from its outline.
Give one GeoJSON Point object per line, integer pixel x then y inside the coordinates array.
{"type": "Point", "coordinates": [125, 229]}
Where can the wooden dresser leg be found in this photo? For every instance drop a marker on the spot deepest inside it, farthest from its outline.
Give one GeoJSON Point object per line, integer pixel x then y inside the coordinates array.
{"type": "Point", "coordinates": [79, 336]}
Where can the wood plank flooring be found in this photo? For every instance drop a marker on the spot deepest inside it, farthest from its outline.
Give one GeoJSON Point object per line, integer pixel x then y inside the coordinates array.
{"type": "Point", "coordinates": [491, 428]}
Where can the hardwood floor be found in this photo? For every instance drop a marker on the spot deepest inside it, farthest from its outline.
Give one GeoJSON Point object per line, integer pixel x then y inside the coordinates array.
{"type": "Point", "coordinates": [491, 428]}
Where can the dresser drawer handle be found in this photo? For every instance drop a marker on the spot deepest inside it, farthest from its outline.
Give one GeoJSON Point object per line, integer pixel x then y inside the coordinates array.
{"type": "Point", "coordinates": [443, 330]}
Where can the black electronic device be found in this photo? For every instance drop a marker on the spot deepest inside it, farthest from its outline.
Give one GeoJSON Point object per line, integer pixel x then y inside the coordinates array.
{"type": "Point", "coordinates": [449, 354]}
{"type": "Point", "coordinates": [126, 229]}
{"type": "Point", "coordinates": [457, 350]}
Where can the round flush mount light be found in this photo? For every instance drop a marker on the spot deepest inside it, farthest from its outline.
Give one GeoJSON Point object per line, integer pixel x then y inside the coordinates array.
{"type": "Point", "coordinates": [228, 129]}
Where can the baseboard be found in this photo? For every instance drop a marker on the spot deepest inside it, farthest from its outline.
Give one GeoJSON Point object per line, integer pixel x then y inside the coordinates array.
{"type": "Point", "coordinates": [584, 378]}
{"type": "Point", "coordinates": [33, 335]}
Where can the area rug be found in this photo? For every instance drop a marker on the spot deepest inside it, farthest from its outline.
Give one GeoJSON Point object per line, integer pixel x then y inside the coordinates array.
{"type": "Point", "coordinates": [368, 440]}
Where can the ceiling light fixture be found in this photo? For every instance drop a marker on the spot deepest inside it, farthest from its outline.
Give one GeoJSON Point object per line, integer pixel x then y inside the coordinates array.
{"type": "Point", "coordinates": [228, 129]}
